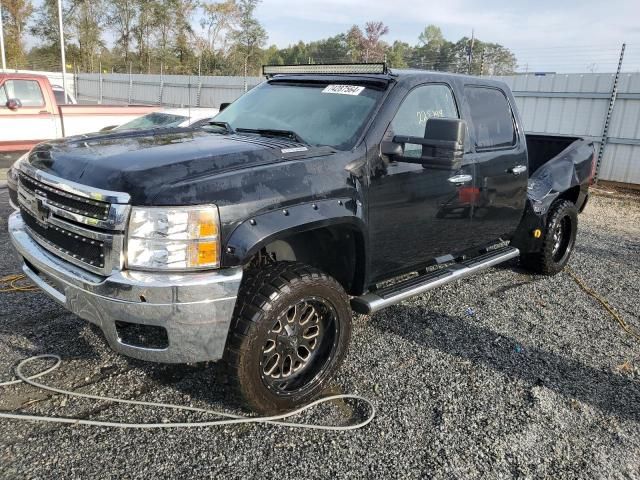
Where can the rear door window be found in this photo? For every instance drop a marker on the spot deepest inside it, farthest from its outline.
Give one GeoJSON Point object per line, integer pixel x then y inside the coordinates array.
{"type": "Point", "coordinates": [492, 118]}
{"type": "Point", "coordinates": [27, 91]}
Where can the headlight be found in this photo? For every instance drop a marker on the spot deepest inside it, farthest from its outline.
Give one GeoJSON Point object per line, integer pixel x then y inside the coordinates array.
{"type": "Point", "coordinates": [12, 173]}
{"type": "Point", "coordinates": [173, 238]}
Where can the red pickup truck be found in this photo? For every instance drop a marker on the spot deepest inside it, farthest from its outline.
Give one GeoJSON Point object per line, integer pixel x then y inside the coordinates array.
{"type": "Point", "coordinates": [29, 113]}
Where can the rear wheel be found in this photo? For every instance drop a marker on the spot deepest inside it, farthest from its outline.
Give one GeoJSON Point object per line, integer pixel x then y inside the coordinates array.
{"type": "Point", "coordinates": [558, 242]}
{"type": "Point", "coordinates": [289, 335]}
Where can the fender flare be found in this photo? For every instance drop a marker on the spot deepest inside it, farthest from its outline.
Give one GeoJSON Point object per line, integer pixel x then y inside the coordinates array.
{"type": "Point", "coordinates": [256, 232]}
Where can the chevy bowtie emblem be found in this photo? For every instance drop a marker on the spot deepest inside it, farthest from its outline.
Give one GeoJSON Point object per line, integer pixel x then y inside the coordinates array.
{"type": "Point", "coordinates": [42, 211]}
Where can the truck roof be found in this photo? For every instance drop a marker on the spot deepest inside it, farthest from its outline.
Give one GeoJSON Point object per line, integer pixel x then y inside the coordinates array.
{"type": "Point", "coordinates": [412, 76]}
{"type": "Point", "coordinates": [419, 74]}
{"type": "Point", "coordinates": [22, 76]}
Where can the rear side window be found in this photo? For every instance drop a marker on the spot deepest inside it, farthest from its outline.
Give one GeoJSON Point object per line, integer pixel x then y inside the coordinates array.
{"type": "Point", "coordinates": [60, 100]}
{"type": "Point", "coordinates": [492, 117]}
{"type": "Point", "coordinates": [3, 97]}
{"type": "Point", "coordinates": [27, 91]}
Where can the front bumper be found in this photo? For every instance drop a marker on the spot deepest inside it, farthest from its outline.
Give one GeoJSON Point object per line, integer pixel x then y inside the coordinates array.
{"type": "Point", "coordinates": [194, 308]}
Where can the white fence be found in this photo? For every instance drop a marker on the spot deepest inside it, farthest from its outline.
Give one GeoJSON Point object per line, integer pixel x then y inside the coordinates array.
{"type": "Point", "coordinates": [572, 104]}
{"type": "Point", "coordinates": [170, 90]}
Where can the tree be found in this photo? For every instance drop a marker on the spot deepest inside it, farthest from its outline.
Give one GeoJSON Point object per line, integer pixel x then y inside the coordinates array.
{"type": "Point", "coordinates": [121, 18]}
{"type": "Point", "coordinates": [366, 46]}
{"type": "Point", "coordinates": [355, 41]}
{"type": "Point", "coordinates": [184, 35]}
{"type": "Point", "coordinates": [15, 15]}
{"type": "Point", "coordinates": [85, 29]}
{"type": "Point", "coordinates": [495, 59]}
{"type": "Point", "coordinates": [373, 48]}
{"type": "Point", "coordinates": [44, 26]}
{"type": "Point", "coordinates": [398, 54]}
{"type": "Point", "coordinates": [487, 58]}
{"type": "Point", "coordinates": [218, 20]}
{"type": "Point", "coordinates": [432, 36]}
{"type": "Point", "coordinates": [248, 35]}
{"type": "Point", "coordinates": [330, 50]}
{"type": "Point", "coordinates": [433, 51]}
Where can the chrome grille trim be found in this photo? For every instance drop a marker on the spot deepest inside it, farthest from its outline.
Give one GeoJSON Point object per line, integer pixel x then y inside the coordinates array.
{"type": "Point", "coordinates": [54, 249]}
{"type": "Point", "coordinates": [73, 188]}
{"type": "Point", "coordinates": [108, 234]}
{"type": "Point", "coordinates": [115, 219]}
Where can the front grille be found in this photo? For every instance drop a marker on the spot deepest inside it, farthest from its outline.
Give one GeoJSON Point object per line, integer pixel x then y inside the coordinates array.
{"type": "Point", "coordinates": [82, 248]}
{"type": "Point", "coordinates": [82, 227]}
{"type": "Point", "coordinates": [66, 201]}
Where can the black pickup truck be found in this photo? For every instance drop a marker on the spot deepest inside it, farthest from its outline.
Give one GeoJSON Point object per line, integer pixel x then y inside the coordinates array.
{"type": "Point", "coordinates": [325, 189]}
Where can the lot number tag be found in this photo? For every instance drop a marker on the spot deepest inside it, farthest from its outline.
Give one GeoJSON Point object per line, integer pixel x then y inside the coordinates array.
{"type": "Point", "coordinates": [343, 89]}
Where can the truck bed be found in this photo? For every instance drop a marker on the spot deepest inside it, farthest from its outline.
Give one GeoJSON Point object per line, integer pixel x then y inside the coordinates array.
{"type": "Point", "coordinates": [557, 164]}
{"type": "Point", "coordinates": [543, 148]}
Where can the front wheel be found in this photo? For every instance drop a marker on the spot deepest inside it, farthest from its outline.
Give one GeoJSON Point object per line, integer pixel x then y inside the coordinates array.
{"type": "Point", "coordinates": [290, 332]}
{"type": "Point", "coordinates": [558, 241]}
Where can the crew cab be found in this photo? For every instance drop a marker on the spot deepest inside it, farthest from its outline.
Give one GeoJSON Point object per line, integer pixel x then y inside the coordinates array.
{"type": "Point", "coordinates": [326, 189]}
{"type": "Point", "coordinates": [30, 113]}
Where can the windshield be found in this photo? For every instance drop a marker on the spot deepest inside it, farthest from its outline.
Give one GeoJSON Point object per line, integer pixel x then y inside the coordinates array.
{"type": "Point", "coordinates": [153, 120]}
{"type": "Point", "coordinates": [332, 115]}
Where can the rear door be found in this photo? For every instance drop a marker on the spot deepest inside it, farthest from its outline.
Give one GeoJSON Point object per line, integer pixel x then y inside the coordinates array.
{"type": "Point", "coordinates": [418, 213]}
{"type": "Point", "coordinates": [30, 122]}
{"type": "Point", "coordinates": [501, 164]}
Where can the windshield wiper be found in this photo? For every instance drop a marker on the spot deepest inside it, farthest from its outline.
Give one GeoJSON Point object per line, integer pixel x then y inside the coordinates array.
{"type": "Point", "coordinates": [224, 125]}
{"type": "Point", "coordinates": [274, 132]}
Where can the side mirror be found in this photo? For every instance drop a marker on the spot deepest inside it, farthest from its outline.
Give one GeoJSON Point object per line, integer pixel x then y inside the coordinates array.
{"type": "Point", "coordinates": [442, 144]}
{"type": "Point", "coordinates": [224, 105]}
{"type": "Point", "coordinates": [14, 104]}
{"type": "Point", "coordinates": [391, 149]}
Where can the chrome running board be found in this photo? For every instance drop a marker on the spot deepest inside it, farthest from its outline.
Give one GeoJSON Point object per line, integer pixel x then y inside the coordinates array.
{"type": "Point", "coordinates": [377, 300]}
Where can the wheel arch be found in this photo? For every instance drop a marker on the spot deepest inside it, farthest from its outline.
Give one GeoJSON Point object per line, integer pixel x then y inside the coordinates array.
{"type": "Point", "coordinates": [328, 235]}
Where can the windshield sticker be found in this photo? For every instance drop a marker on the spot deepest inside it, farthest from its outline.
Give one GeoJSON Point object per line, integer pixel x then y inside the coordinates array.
{"type": "Point", "coordinates": [294, 150]}
{"type": "Point", "coordinates": [343, 89]}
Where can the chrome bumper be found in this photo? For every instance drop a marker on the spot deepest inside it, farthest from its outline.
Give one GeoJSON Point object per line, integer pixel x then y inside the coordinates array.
{"type": "Point", "coordinates": [194, 308]}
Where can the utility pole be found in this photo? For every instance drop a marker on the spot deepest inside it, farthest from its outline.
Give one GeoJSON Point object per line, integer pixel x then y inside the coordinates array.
{"type": "Point", "coordinates": [130, 83]}
{"type": "Point", "coordinates": [4, 60]}
{"type": "Point", "coordinates": [607, 120]}
{"type": "Point", "coordinates": [62, 57]}
{"type": "Point", "coordinates": [199, 94]}
{"type": "Point", "coordinates": [246, 67]}
{"type": "Point", "coordinates": [471, 43]}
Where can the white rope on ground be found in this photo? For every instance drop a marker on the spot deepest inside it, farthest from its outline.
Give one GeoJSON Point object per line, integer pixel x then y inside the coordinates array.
{"type": "Point", "coordinates": [231, 419]}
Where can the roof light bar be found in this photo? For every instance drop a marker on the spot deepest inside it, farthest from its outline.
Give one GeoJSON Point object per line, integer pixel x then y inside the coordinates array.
{"type": "Point", "coordinates": [352, 68]}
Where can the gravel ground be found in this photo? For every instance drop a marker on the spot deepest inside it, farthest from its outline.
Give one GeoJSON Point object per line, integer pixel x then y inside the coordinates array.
{"type": "Point", "coordinates": [536, 380]}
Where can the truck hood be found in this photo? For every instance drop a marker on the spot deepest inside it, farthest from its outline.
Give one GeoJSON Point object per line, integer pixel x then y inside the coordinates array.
{"type": "Point", "coordinates": [144, 163]}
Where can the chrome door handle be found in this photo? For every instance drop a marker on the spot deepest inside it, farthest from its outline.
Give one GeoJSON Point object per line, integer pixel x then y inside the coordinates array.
{"type": "Point", "coordinates": [518, 169]}
{"type": "Point", "coordinates": [460, 179]}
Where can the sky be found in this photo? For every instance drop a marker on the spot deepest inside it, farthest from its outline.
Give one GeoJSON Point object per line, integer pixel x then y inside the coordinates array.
{"type": "Point", "coordinates": [546, 35]}
{"type": "Point", "coordinates": [565, 36]}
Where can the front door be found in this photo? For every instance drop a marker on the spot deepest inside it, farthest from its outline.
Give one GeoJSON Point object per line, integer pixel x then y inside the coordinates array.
{"type": "Point", "coordinates": [30, 122]}
{"type": "Point", "coordinates": [418, 213]}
